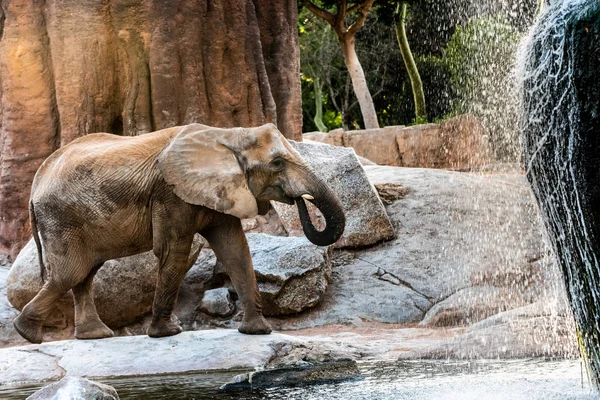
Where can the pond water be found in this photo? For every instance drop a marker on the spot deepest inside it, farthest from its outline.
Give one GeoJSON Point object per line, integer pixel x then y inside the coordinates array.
{"type": "Point", "coordinates": [429, 379]}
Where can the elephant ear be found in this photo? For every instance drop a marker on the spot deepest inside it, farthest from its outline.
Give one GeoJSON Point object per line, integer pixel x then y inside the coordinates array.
{"type": "Point", "coordinates": [202, 167]}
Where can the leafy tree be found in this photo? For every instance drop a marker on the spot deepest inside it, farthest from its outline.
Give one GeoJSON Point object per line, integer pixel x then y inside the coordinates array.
{"type": "Point", "coordinates": [430, 25]}
{"type": "Point", "coordinates": [337, 16]}
{"type": "Point", "coordinates": [318, 52]}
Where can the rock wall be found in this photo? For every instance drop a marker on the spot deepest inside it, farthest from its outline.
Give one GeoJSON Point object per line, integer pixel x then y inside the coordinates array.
{"type": "Point", "coordinates": [70, 67]}
{"type": "Point", "coordinates": [458, 143]}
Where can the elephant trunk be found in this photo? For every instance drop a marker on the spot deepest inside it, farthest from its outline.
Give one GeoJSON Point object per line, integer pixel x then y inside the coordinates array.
{"type": "Point", "coordinates": [326, 201]}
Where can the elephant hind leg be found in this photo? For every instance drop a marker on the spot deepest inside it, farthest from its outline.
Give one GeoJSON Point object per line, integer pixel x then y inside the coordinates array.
{"type": "Point", "coordinates": [88, 324]}
{"type": "Point", "coordinates": [63, 276]}
{"type": "Point", "coordinates": [29, 322]}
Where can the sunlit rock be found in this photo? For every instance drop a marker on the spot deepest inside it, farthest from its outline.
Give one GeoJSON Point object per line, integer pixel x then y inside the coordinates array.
{"type": "Point", "coordinates": [458, 143]}
{"type": "Point", "coordinates": [455, 232]}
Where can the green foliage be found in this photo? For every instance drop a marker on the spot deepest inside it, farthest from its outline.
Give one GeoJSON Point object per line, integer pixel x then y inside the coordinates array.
{"type": "Point", "coordinates": [320, 58]}
{"type": "Point", "coordinates": [480, 58]}
{"type": "Point", "coordinates": [477, 55]}
{"type": "Point", "coordinates": [457, 76]}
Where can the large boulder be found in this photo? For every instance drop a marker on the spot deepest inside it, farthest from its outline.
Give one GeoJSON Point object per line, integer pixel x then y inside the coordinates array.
{"type": "Point", "coordinates": [292, 273]}
{"type": "Point", "coordinates": [75, 388]}
{"type": "Point", "coordinates": [366, 219]}
{"type": "Point", "coordinates": [123, 288]}
{"type": "Point", "coordinates": [468, 247]}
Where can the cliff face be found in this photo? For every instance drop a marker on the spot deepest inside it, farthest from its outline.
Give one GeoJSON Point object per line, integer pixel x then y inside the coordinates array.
{"type": "Point", "coordinates": [73, 67]}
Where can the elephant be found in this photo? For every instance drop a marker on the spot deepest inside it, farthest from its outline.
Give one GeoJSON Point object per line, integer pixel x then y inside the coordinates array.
{"type": "Point", "coordinates": [105, 196]}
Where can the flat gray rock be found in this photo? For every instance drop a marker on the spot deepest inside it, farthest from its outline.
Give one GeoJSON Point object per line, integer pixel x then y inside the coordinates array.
{"type": "Point", "coordinates": [211, 350]}
{"type": "Point", "coordinates": [366, 220]}
{"type": "Point", "coordinates": [455, 231]}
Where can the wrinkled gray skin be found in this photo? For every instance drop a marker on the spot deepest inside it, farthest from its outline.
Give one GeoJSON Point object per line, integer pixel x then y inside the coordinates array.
{"type": "Point", "coordinates": [105, 196]}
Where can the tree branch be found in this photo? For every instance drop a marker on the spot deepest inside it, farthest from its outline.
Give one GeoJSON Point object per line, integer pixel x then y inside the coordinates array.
{"type": "Point", "coordinates": [332, 98]}
{"type": "Point", "coordinates": [319, 12]}
{"type": "Point", "coordinates": [377, 93]}
{"type": "Point", "coordinates": [363, 9]}
{"type": "Point", "coordinates": [354, 8]}
{"type": "Point", "coordinates": [342, 4]}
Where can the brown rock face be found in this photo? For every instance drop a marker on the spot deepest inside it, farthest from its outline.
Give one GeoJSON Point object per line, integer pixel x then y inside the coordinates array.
{"type": "Point", "coordinates": [458, 143]}
{"type": "Point", "coordinates": [71, 67]}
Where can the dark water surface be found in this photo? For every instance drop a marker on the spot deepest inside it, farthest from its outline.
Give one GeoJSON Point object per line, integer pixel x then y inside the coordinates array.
{"type": "Point", "coordinates": [429, 379]}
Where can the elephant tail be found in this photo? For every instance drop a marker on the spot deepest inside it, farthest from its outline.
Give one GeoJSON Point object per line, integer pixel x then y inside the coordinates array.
{"type": "Point", "coordinates": [36, 239]}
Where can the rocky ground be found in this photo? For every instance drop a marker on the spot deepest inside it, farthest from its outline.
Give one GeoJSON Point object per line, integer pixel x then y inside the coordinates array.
{"type": "Point", "coordinates": [468, 275]}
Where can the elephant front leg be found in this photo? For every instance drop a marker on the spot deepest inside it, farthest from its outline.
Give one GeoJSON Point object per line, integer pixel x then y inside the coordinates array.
{"type": "Point", "coordinates": [228, 241]}
{"type": "Point", "coordinates": [172, 269]}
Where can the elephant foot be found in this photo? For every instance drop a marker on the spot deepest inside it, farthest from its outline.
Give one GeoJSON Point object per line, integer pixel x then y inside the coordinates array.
{"type": "Point", "coordinates": [93, 330]}
{"type": "Point", "coordinates": [257, 325]}
{"type": "Point", "coordinates": [28, 328]}
{"type": "Point", "coordinates": [164, 327]}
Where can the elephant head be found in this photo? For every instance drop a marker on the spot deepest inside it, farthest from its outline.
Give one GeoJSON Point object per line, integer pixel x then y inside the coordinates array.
{"type": "Point", "coordinates": [238, 171]}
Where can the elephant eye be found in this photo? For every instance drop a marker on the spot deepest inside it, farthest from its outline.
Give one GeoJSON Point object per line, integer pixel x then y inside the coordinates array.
{"type": "Point", "coordinates": [277, 163]}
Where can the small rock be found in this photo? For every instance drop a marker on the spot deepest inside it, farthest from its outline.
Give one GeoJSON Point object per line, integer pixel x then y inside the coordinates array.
{"type": "Point", "coordinates": [299, 374]}
{"type": "Point", "coordinates": [390, 192]}
{"type": "Point", "coordinates": [217, 303]}
{"type": "Point", "coordinates": [269, 224]}
{"type": "Point", "coordinates": [75, 388]}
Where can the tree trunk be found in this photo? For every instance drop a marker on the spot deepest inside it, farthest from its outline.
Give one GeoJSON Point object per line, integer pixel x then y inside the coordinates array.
{"type": "Point", "coordinates": [411, 67]}
{"type": "Point", "coordinates": [69, 68]}
{"type": "Point", "coordinates": [318, 105]}
{"type": "Point", "coordinates": [359, 82]}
